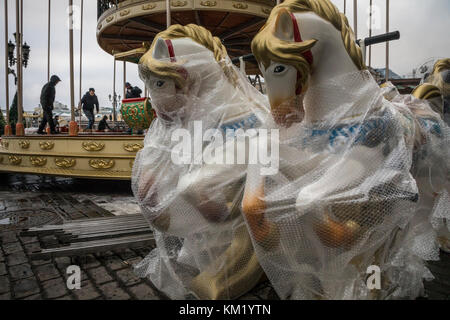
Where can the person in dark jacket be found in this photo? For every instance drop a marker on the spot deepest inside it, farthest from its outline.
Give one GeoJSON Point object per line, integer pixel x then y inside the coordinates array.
{"type": "Point", "coordinates": [132, 92]}
{"type": "Point", "coordinates": [48, 93]}
{"type": "Point", "coordinates": [103, 124]}
{"type": "Point", "coordinates": [88, 102]}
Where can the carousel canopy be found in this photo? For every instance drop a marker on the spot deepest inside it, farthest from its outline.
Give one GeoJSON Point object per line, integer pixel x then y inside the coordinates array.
{"type": "Point", "coordinates": [123, 26]}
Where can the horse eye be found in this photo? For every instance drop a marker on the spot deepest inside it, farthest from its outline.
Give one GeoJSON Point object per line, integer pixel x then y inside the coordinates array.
{"type": "Point", "coordinates": [160, 83]}
{"type": "Point", "coordinates": [279, 69]}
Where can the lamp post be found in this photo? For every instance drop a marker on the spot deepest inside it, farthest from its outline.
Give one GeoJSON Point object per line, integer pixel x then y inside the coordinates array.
{"type": "Point", "coordinates": [114, 98]}
{"type": "Point", "coordinates": [13, 59]}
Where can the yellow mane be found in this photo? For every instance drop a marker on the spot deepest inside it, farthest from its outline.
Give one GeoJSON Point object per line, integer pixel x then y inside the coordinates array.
{"type": "Point", "coordinates": [267, 47]}
{"type": "Point", "coordinates": [196, 33]}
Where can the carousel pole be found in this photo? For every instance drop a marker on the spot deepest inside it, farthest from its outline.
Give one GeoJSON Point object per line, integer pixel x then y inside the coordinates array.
{"type": "Point", "coordinates": [48, 42]}
{"type": "Point", "coordinates": [370, 32]}
{"type": "Point", "coordinates": [355, 18]}
{"type": "Point", "coordinates": [345, 7]}
{"type": "Point", "coordinates": [81, 58]}
{"type": "Point", "coordinates": [124, 78]}
{"type": "Point", "coordinates": [19, 125]}
{"type": "Point", "coordinates": [114, 94]}
{"type": "Point", "coordinates": [168, 14]}
{"type": "Point", "coordinates": [73, 126]}
{"type": "Point", "coordinates": [387, 43]}
{"type": "Point", "coordinates": [8, 130]}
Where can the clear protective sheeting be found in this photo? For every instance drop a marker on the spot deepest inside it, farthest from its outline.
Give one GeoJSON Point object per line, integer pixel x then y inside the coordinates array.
{"type": "Point", "coordinates": [345, 203]}
{"type": "Point", "coordinates": [189, 180]}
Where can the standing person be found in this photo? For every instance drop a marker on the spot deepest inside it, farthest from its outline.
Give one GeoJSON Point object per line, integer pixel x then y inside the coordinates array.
{"type": "Point", "coordinates": [88, 102]}
{"type": "Point", "coordinates": [132, 92]}
{"type": "Point", "coordinates": [47, 98]}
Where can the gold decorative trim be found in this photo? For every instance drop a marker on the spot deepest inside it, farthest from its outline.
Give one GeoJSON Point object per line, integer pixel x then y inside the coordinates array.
{"type": "Point", "coordinates": [241, 6]}
{"type": "Point", "coordinates": [101, 164]}
{"type": "Point", "coordinates": [148, 6]}
{"type": "Point", "coordinates": [5, 144]}
{"type": "Point", "coordinates": [131, 163]}
{"type": "Point", "coordinates": [65, 163]}
{"type": "Point", "coordinates": [133, 147]}
{"type": "Point", "coordinates": [178, 3]}
{"type": "Point", "coordinates": [15, 160]}
{"type": "Point", "coordinates": [99, 26]}
{"type": "Point", "coordinates": [1, 159]}
{"type": "Point", "coordinates": [38, 161]}
{"type": "Point", "coordinates": [109, 19]}
{"type": "Point", "coordinates": [208, 3]}
{"type": "Point", "coordinates": [125, 12]}
{"type": "Point", "coordinates": [266, 10]}
{"type": "Point", "coordinates": [46, 145]}
{"type": "Point", "coordinates": [24, 144]}
{"type": "Point", "coordinates": [93, 146]}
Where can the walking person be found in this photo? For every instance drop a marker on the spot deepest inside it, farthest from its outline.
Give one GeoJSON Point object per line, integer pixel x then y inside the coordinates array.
{"type": "Point", "coordinates": [88, 102]}
{"type": "Point", "coordinates": [47, 98]}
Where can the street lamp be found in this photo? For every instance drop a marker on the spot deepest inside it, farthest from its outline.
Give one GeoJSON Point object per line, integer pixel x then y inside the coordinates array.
{"type": "Point", "coordinates": [11, 47]}
{"type": "Point", "coordinates": [25, 54]}
{"type": "Point", "coordinates": [114, 98]}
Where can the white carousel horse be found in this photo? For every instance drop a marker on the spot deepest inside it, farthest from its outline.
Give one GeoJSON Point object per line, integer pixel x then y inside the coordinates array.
{"type": "Point", "coordinates": [203, 247]}
{"type": "Point", "coordinates": [344, 197]}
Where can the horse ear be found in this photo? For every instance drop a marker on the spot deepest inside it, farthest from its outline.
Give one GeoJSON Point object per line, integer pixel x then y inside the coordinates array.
{"type": "Point", "coordinates": [284, 28]}
{"type": "Point", "coordinates": [160, 51]}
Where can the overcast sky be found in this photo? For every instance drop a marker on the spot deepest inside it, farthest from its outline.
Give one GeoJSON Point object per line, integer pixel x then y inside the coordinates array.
{"type": "Point", "coordinates": [424, 27]}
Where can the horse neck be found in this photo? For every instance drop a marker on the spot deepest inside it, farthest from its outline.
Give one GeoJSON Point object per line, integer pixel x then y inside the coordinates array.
{"type": "Point", "coordinates": [331, 61]}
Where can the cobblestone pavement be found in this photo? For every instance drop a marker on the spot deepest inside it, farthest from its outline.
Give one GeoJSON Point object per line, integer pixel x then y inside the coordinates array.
{"type": "Point", "coordinates": [33, 200]}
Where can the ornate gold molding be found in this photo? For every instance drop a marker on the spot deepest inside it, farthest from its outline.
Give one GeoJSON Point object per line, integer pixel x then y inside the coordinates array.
{"type": "Point", "coordinates": [99, 26]}
{"type": "Point", "coordinates": [1, 159]}
{"type": "Point", "coordinates": [148, 6]}
{"type": "Point", "coordinates": [65, 163]}
{"type": "Point", "coordinates": [266, 10]}
{"type": "Point", "coordinates": [109, 19]}
{"type": "Point", "coordinates": [131, 163]}
{"type": "Point", "coordinates": [101, 164]}
{"type": "Point", "coordinates": [208, 3]}
{"type": "Point", "coordinates": [133, 147]}
{"type": "Point", "coordinates": [46, 145]}
{"type": "Point", "coordinates": [93, 146]}
{"type": "Point", "coordinates": [38, 161]}
{"type": "Point", "coordinates": [178, 3]}
{"type": "Point", "coordinates": [5, 144]}
{"type": "Point", "coordinates": [241, 6]}
{"type": "Point", "coordinates": [15, 160]}
{"type": "Point", "coordinates": [125, 12]}
{"type": "Point", "coordinates": [24, 144]}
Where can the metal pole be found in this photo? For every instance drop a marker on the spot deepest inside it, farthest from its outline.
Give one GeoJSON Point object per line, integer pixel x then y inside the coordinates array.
{"type": "Point", "coordinates": [168, 14]}
{"type": "Point", "coordinates": [72, 89]}
{"type": "Point", "coordinates": [370, 33]}
{"type": "Point", "coordinates": [81, 56]}
{"type": "Point", "coordinates": [19, 124]}
{"type": "Point", "coordinates": [48, 42]}
{"type": "Point", "coordinates": [114, 92]}
{"type": "Point", "coordinates": [387, 43]}
{"type": "Point", "coordinates": [124, 78]}
{"type": "Point", "coordinates": [355, 18]}
{"type": "Point", "coordinates": [345, 7]}
{"type": "Point", "coordinates": [6, 63]}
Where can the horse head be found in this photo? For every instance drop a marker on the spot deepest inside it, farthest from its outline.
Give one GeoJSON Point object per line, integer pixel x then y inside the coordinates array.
{"type": "Point", "coordinates": [303, 43]}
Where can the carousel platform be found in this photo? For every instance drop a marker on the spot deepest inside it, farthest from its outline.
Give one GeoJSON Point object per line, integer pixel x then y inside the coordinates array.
{"type": "Point", "coordinates": [98, 156]}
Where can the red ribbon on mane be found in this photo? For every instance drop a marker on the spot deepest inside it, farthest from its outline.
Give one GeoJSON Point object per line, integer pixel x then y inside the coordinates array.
{"type": "Point", "coordinates": [307, 55]}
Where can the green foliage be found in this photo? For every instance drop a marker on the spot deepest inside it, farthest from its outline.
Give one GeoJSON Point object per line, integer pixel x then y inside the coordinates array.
{"type": "Point", "coordinates": [13, 115]}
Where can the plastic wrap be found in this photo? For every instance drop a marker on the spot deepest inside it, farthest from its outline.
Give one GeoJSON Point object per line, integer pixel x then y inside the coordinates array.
{"type": "Point", "coordinates": [345, 197]}
{"type": "Point", "coordinates": [190, 193]}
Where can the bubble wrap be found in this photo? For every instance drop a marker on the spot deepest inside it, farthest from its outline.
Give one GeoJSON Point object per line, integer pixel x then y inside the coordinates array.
{"type": "Point", "coordinates": [203, 249]}
{"type": "Point", "coordinates": [345, 197]}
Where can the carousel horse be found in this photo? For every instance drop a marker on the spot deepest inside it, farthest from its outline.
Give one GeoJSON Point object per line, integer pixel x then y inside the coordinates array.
{"type": "Point", "coordinates": [344, 198]}
{"type": "Point", "coordinates": [203, 247]}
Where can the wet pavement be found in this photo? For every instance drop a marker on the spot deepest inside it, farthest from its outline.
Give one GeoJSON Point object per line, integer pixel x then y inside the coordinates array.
{"type": "Point", "coordinates": [28, 200]}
